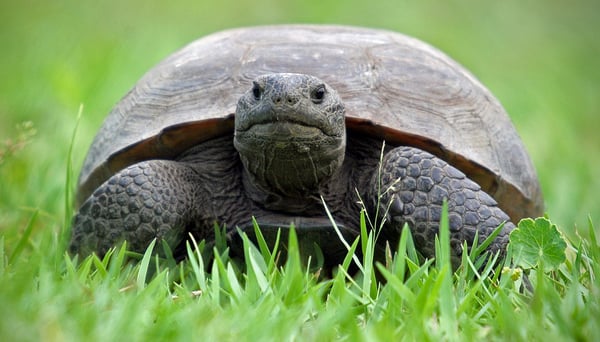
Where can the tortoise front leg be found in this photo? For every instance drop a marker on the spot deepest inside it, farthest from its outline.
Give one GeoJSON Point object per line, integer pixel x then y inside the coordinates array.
{"type": "Point", "coordinates": [413, 186]}
{"type": "Point", "coordinates": [151, 199]}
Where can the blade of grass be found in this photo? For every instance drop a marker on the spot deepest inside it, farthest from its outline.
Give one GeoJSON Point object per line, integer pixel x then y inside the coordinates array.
{"type": "Point", "coordinates": [168, 253]}
{"type": "Point", "coordinates": [116, 262]}
{"type": "Point", "coordinates": [442, 246]}
{"type": "Point", "coordinates": [3, 258]}
{"type": "Point", "coordinates": [369, 286]}
{"type": "Point", "coordinates": [99, 264]}
{"type": "Point", "coordinates": [215, 282]}
{"type": "Point", "coordinates": [484, 245]}
{"type": "Point", "coordinates": [83, 270]}
{"type": "Point", "coordinates": [24, 238]}
{"type": "Point", "coordinates": [228, 281]}
{"type": "Point", "coordinates": [197, 263]}
{"type": "Point", "coordinates": [143, 271]}
{"type": "Point", "coordinates": [339, 284]}
{"type": "Point", "coordinates": [269, 255]}
{"type": "Point", "coordinates": [341, 236]}
{"type": "Point", "coordinates": [255, 266]}
{"type": "Point", "coordinates": [402, 253]}
{"type": "Point", "coordinates": [393, 280]}
{"type": "Point", "coordinates": [447, 301]}
{"type": "Point", "coordinates": [69, 187]}
{"type": "Point", "coordinates": [363, 232]}
{"type": "Point", "coordinates": [234, 284]}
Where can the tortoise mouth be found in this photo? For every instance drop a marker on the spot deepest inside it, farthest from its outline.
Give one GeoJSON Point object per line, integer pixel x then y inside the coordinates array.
{"type": "Point", "coordinates": [286, 125]}
{"type": "Point", "coordinates": [286, 140]}
{"type": "Point", "coordinates": [284, 131]}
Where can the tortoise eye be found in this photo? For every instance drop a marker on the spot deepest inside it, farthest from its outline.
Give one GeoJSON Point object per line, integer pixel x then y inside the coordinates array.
{"type": "Point", "coordinates": [256, 90]}
{"type": "Point", "coordinates": [318, 94]}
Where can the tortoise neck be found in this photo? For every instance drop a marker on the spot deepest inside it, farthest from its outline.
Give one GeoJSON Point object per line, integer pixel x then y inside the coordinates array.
{"type": "Point", "coordinates": [289, 178]}
{"type": "Point", "coordinates": [275, 200]}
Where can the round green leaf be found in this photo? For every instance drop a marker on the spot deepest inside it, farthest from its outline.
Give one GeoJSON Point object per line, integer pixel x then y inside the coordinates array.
{"type": "Point", "coordinates": [536, 244]}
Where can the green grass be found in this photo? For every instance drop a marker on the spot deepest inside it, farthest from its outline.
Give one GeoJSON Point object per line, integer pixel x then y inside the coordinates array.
{"type": "Point", "coordinates": [125, 296]}
{"type": "Point", "coordinates": [538, 57]}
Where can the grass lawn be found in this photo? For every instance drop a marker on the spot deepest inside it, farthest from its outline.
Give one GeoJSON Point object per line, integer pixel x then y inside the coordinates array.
{"type": "Point", "coordinates": [539, 58]}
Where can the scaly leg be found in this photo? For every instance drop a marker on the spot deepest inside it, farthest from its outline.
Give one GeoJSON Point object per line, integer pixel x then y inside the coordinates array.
{"type": "Point", "coordinates": [151, 199]}
{"type": "Point", "coordinates": [415, 183]}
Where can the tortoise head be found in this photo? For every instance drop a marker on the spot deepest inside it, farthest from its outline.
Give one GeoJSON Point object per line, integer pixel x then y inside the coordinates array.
{"type": "Point", "coordinates": [290, 134]}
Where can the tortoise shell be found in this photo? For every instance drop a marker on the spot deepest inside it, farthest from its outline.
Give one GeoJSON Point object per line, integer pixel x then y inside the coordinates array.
{"type": "Point", "coordinates": [394, 87]}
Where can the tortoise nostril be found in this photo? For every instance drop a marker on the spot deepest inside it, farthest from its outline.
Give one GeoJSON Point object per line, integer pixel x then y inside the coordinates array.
{"type": "Point", "coordinates": [288, 99]}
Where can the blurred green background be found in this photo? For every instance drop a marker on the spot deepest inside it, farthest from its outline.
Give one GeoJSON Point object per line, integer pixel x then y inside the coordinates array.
{"type": "Point", "coordinates": [540, 58]}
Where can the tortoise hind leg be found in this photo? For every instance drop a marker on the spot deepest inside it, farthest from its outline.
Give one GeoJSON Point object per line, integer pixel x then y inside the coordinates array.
{"type": "Point", "coordinates": [151, 199]}
{"type": "Point", "coordinates": [415, 183]}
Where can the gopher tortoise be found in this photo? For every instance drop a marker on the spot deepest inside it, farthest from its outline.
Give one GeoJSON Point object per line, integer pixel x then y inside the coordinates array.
{"type": "Point", "coordinates": [273, 123]}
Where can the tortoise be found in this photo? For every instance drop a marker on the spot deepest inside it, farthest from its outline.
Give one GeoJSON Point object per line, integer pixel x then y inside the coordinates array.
{"type": "Point", "coordinates": [278, 123]}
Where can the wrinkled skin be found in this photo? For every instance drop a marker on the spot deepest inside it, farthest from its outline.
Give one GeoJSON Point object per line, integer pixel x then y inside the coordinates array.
{"type": "Point", "coordinates": [290, 149]}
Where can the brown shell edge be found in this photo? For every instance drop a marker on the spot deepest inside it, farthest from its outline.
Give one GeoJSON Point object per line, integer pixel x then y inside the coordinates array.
{"type": "Point", "coordinates": [167, 144]}
{"type": "Point", "coordinates": [174, 140]}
